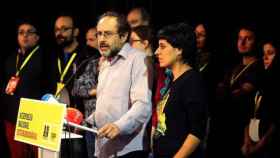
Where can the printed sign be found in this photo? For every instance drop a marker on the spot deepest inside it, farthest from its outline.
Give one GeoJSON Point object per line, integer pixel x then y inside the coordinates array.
{"type": "Point", "coordinates": [40, 123]}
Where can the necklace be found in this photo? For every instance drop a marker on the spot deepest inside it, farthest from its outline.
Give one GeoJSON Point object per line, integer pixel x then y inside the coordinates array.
{"type": "Point", "coordinates": [235, 77]}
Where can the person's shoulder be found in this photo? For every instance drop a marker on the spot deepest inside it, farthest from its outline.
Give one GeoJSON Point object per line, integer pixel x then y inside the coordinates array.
{"type": "Point", "coordinates": [137, 53]}
{"type": "Point", "coordinates": [94, 61]}
{"type": "Point", "coordinates": [191, 78]}
{"type": "Point", "coordinates": [192, 73]}
{"type": "Point", "coordinates": [130, 51]}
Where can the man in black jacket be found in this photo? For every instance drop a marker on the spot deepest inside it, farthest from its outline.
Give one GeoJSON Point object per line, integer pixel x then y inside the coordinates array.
{"type": "Point", "coordinates": [25, 76]}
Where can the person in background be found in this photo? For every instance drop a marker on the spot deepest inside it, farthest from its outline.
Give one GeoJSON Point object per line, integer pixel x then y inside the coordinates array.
{"type": "Point", "coordinates": [91, 39]}
{"type": "Point", "coordinates": [85, 88]}
{"type": "Point", "coordinates": [137, 17]}
{"type": "Point", "coordinates": [25, 76]}
{"type": "Point", "coordinates": [70, 53]}
{"type": "Point", "coordinates": [141, 37]}
{"type": "Point", "coordinates": [69, 64]}
{"type": "Point", "coordinates": [259, 134]}
{"type": "Point", "coordinates": [234, 96]}
{"type": "Point", "coordinates": [210, 67]}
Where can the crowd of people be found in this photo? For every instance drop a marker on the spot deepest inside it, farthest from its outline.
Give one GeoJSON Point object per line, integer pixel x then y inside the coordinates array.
{"type": "Point", "coordinates": [160, 95]}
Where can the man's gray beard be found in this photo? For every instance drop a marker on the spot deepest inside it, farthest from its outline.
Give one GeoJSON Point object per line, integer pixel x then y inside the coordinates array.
{"type": "Point", "coordinates": [113, 53]}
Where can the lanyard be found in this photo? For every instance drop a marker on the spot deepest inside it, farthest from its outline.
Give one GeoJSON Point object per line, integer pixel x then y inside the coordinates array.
{"type": "Point", "coordinates": [203, 67]}
{"type": "Point", "coordinates": [258, 99]}
{"type": "Point", "coordinates": [25, 61]}
{"type": "Point", "coordinates": [235, 77]}
{"type": "Point", "coordinates": [162, 103]}
{"type": "Point", "coordinates": [67, 66]}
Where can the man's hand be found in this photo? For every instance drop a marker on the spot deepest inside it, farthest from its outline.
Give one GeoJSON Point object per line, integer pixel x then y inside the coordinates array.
{"type": "Point", "coordinates": [109, 130]}
{"type": "Point", "coordinates": [92, 92]}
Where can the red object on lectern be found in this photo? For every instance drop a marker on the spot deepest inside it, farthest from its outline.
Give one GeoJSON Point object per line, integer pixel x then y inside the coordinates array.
{"type": "Point", "coordinates": [74, 115]}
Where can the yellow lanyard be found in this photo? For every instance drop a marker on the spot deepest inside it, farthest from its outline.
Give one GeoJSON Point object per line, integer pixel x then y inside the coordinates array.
{"type": "Point", "coordinates": [162, 103]}
{"type": "Point", "coordinates": [234, 78]}
{"type": "Point", "coordinates": [25, 61]}
{"type": "Point", "coordinates": [258, 99]}
{"type": "Point", "coordinates": [66, 68]}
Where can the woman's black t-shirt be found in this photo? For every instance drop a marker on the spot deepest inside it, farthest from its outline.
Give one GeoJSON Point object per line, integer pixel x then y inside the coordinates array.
{"type": "Point", "coordinates": [186, 113]}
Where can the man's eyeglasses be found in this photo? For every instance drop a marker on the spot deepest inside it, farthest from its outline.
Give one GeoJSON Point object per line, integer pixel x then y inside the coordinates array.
{"type": "Point", "coordinates": [28, 32]}
{"type": "Point", "coordinates": [134, 22]}
{"type": "Point", "coordinates": [105, 34]}
{"type": "Point", "coordinates": [131, 41]}
{"type": "Point", "coordinates": [63, 29]}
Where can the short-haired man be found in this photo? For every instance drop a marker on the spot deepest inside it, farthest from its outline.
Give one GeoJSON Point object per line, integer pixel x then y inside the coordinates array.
{"type": "Point", "coordinates": [123, 105]}
{"type": "Point", "coordinates": [24, 75]}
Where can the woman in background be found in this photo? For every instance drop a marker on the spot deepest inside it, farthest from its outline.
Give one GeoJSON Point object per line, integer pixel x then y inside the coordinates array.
{"type": "Point", "coordinates": [258, 142]}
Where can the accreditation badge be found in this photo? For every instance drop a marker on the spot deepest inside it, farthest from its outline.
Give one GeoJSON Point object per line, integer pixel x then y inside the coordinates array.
{"type": "Point", "coordinates": [254, 129]}
{"type": "Point", "coordinates": [59, 87]}
{"type": "Point", "coordinates": [12, 85]}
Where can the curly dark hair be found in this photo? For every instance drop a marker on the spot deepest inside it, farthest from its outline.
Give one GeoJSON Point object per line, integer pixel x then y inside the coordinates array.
{"type": "Point", "coordinates": [182, 36]}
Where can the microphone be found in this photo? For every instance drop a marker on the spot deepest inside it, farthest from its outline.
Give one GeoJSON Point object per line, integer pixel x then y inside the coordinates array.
{"type": "Point", "coordinates": [73, 75]}
{"type": "Point", "coordinates": [74, 118]}
{"type": "Point", "coordinates": [93, 130]}
{"type": "Point", "coordinates": [49, 98]}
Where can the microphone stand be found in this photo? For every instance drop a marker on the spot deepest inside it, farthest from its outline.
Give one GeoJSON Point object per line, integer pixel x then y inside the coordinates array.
{"type": "Point", "coordinates": [93, 130]}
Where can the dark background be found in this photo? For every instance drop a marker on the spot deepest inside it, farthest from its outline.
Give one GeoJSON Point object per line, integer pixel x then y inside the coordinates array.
{"type": "Point", "coordinates": [223, 18]}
